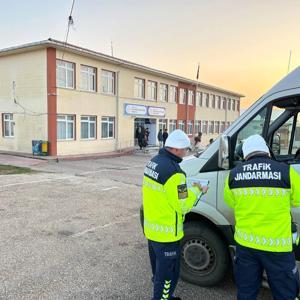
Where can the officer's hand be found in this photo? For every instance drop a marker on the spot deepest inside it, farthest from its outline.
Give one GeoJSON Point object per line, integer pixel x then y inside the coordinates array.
{"type": "Point", "coordinates": [201, 188]}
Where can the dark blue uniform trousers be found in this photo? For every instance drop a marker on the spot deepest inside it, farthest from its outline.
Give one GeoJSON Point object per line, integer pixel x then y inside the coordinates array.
{"type": "Point", "coordinates": [165, 264]}
{"type": "Point", "coordinates": [282, 273]}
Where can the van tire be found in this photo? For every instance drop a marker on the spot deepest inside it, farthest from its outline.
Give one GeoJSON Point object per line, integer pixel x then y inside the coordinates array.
{"type": "Point", "coordinates": [212, 262]}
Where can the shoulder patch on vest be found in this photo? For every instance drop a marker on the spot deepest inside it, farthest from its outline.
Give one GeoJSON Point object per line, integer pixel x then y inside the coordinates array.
{"type": "Point", "coordinates": [182, 191]}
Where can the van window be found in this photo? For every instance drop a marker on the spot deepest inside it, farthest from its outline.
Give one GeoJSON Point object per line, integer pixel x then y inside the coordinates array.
{"type": "Point", "coordinates": [282, 138]}
{"type": "Point", "coordinates": [255, 126]}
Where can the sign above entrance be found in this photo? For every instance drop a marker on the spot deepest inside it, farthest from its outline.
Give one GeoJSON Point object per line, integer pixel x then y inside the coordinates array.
{"type": "Point", "coordinates": [143, 110]}
{"type": "Point", "coordinates": [156, 111]}
{"type": "Point", "coordinates": [135, 110]}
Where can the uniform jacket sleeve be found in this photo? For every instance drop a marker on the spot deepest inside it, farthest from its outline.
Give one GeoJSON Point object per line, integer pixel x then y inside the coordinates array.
{"type": "Point", "coordinates": [228, 194]}
{"type": "Point", "coordinates": [179, 196]}
{"type": "Point", "coordinates": [295, 187]}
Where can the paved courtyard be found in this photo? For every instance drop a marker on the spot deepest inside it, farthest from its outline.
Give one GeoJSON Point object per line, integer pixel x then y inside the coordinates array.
{"type": "Point", "coordinates": [71, 230]}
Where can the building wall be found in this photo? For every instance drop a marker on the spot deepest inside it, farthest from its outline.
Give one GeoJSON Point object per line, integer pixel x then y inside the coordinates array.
{"type": "Point", "coordinates": [34, 74]}
{"type": "Point", "coordinates": [80, 103]}
{"type": "Point", "coordinates": [28, 72]}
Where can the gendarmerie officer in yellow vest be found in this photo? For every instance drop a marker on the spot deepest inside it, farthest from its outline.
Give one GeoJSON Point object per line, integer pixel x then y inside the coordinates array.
{"type": "Point", "coordinates": [261, 192]}
{"type": "Point", "coordinates": [166, 199]}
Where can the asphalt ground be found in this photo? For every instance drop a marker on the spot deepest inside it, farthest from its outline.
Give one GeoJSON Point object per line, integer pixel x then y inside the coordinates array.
{"type": "Point", "coordinates": [71, 231]}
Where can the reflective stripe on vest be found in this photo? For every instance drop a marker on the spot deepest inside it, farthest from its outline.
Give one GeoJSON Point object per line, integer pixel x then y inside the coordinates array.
{"type": "Point", "coordinates": [162, 228]}
{"type": "Point", "coordinates": [262, 240]}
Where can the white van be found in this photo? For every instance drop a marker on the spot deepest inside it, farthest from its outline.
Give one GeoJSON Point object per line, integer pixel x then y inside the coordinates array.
{"type": "Point", "coordinates": [209, 226]}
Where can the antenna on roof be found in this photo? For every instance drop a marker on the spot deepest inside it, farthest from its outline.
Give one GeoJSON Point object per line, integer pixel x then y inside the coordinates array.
{"type": "Point", "coordinates": [288, 69]}
{"type": "Point", "coordinates": [70, 22]}
{"type": "Point", "coordinates": [112, 48]}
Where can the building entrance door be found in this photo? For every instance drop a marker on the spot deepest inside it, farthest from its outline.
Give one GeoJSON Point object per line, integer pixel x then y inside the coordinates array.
{"type": "Point", "coordinates": [146, 123]}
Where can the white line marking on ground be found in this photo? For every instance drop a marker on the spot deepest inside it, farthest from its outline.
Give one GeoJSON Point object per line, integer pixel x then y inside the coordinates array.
{"type": "Point", "coordinates": [93, 229]}
{"type": "Point", "coordinates": [35, 181]}
{"type": "Point", "coordinates": [110, 188]}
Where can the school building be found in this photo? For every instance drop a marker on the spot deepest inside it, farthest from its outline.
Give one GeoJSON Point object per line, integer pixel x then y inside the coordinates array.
{"type": "Point", "coordinates": [86, 102]}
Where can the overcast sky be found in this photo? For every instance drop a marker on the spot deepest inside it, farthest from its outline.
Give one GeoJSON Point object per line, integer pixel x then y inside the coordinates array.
{"type": "Point", "coordinates": [241, 45]}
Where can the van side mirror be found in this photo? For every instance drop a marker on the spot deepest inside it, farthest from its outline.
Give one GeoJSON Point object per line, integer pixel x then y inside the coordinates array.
{"type": "Point", "coordinates": [276, 144]}
{"type": "Point", "coordinates": [223, 161]}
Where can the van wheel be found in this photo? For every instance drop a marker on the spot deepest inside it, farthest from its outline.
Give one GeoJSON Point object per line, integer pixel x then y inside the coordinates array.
{"type": "Point", "coordinates": [204, 257]}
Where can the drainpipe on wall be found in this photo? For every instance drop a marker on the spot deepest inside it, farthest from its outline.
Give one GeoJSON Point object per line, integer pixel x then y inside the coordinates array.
{"type": "Point", "coordinates": [117, 112]}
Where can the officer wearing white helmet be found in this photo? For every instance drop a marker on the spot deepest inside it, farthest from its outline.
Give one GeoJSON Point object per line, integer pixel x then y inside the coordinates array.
{"type": "Point", "coordinates": [261, 192]}
{"type": "Point", "coordinates": [166, 199]}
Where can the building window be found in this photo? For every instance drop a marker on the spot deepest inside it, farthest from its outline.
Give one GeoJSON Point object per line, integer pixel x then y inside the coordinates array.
{"type": "Point", "coordinates": [172, 125]}
{"type": "Point", "coordinates": [88, 78]}
{"type": "Point", "coordinates": [219, 102]}
{"type": "Point", "coordinates": [190, 127]}
{"type": "Point", "coordinates": [233, 104]}
{"type": "Point", "coordinates": [88, 127]}
{"type": "Point", "coordinates": [162, 124]}
{"type": "Point", "coordinates": [197, 127]}
{"type": "Point", "coordinates": [206, 97]}
{"type": "Point", "coordinates": [108, 79]}
{"type": "Point", "coordinates": [229, 104]}
{"type": "Point", "coordinates": [139, 88]}
{"type": "Point", "coordinates": [8, 125]}
{"type": "Point", "coordinates": [65, 74]}
{"type": "Point", "coordinates": [238, 105]}
{"type": "Point", "coordinates": [211, 127]}
{"type": "Point", "coordinates": [217, 126]}
{"type": "Point", "coordinates": [198, 99]}
{"type": "Point", "coordinates": [107, 127]}
{"type": "Point", "coordinates": [163, 92]}
{"type": "Point", "coordinates": [213, 101]}
{"type": "Point", "coordinates": [222, 127]}
{"type": "Point", "coordinates": [204, 127]}
{"type": "Point", "coordinates": [152, 90]}
{"type": "Point", "coordinates": [182, 96]}
{"type": "Point", "coordinates": [191, 98]}
{"type": "Point", "coordinates": [181, 125]}
{"type": "Point", "coordinates": [224, 103]}
{"type": "Point", "coordinates": [65, 127]}
{"type": "Point", "coordinates": [173, 93]}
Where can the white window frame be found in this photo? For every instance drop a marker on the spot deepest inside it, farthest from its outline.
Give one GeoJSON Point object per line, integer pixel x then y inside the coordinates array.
{"type": "Point", "coordinates": [199, 99]}
{"type": "Point", "coordinates": [162, 124]}
{"type": "Point", "coordinates": [182, 96]}
{"type": "Point", "coordinates": [224, 103]}
{"type": "Point", "coordinates": [108, 81]}
{"type": "Point", "coordinates": [228, 104]}
{"type": "Point", "coordinates": [68, 120]}
{"type": "Point", "coordinates": [204, 127]}
{"type": "Point", "coordinates": [217, 126]}
{"type": "Point", "coordinates": [8, 122]}
{"type": "Point", "coordinates": [173, 94]}
{"type": "Point", "coordinates": [191, 96]}
{"type": "Point", "coordinates": [139, 88]}
{"type": "Point", "coordinates": [181, 125]}
{"type": "Point", "coordinates": [190, 128]}
{"type": "Point", "coordinates": [206, 100]}
{"type": "Point", "coordinates": [66, 68]}
{"type": "Point", "coordinates": [211, 127]}
{"type": "Point", "coordinates": [109, 121]}
{"type": "Point", "coordinates": [163, 87]}
{"type": "Point", "coordinates": [213, 101]}
{"type": "Point", "coordinates": [89, 120]}
{"type": "Point", "coordinates": [197, 127]}
{"type": "Point", "coordinates": [172, 125]}
{"type": "Point", "coordinates": [152, 90]}
{"type": "Point", "coordinates": [222, 127]}
{"type": "Point", "coordinates": [89, 74]}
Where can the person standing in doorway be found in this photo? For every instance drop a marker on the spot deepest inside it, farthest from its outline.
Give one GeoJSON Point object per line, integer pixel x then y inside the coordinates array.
{"type": "Point", "coordinates": [160, 138]}
{"type": "Point", "coordinates": [165, 136]}
{"type": "Point", "coordinates": [261, 192]}
{"type": "Point", "coordinates": [166, 199]}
